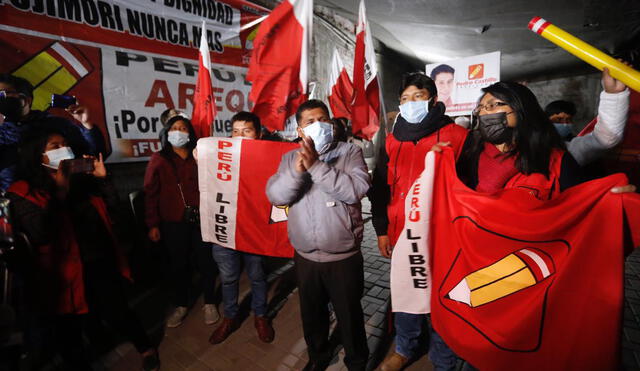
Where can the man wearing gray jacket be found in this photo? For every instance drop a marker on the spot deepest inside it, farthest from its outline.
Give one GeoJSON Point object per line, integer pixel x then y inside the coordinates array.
{"type": "Point", "coordinates": [323, 183]}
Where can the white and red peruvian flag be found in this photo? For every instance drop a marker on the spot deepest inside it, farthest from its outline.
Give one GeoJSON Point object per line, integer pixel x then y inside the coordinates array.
{"type": "Point", "coordinates": [366, 109]}
{"type": "Point", "coordinates": [278, 67]}
{"type": "Point", "coordinates": [234, 209]}
{"type": "Point", "coordinates": [340, 88]}
{"type": "Point", "coordinates": [204, 108]}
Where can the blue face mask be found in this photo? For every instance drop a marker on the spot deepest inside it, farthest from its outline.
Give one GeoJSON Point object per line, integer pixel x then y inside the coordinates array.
{"type": "Point", "coordinates": [414, 111]}
{"type": "Point", "coordinates": [321, 133]}
{"type": "Point", "coordinates": [564, 130]}
{"type": "Point", "coordinates": [178, 138]}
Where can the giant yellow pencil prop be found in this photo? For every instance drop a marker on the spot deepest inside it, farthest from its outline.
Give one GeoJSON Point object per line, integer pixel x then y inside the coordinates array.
{"type": "Point", "coordinates": [586, 52]}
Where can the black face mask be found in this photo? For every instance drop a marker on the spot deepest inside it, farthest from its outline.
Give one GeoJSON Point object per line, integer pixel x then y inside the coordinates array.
{"type": "Point", "coordinates": [11, 108]}
{"type": "Point", "coordinates": [493, 128]}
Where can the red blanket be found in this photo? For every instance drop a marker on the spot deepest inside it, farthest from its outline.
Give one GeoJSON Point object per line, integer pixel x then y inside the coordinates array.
{"type": "Point", "coordinates": [519, 283]}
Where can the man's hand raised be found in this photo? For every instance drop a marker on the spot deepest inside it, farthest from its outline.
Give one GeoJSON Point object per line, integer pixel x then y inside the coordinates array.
{"type": "Point", "coordinates": [308, 152]}
{"type": "Point", "coordinates": [299, 163]}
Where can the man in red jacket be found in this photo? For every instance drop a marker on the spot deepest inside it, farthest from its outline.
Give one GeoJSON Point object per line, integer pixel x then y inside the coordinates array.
{"type": "Point", "coordinates": [420, 124]}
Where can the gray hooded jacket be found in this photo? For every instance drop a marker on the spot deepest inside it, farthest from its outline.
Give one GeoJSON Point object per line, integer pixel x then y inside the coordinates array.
{"type": "Point", "coordinates": [325, 214]}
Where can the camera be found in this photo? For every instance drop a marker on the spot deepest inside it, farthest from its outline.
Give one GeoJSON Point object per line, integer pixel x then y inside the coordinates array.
{"type": "Point", "coordinates": [191, 215]}
{"type": "Point", "coordinates": [62, 101]}
{"type": "Point", "coordinates": [78, 165]}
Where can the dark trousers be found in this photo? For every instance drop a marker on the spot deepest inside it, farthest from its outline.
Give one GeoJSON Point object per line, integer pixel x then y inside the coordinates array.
{"type": "Point", "coordinates": [186, 251]}
{"type": "Point", "coordinates": [67, 335]}
{"type": "Point", "coordinates": [48, 335]}
{"type": "Point", "coordinates": [107, 301]}
{"type": "Point", "coordinates": [230, 263]}
{"type": "Point", "coordinates": [340, 283]}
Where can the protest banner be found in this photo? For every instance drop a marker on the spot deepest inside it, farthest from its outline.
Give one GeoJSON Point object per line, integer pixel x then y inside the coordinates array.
{"type": "Point", "coordinates": [234, 209]}
{"type": "Point", "coordinates": [129, 61]}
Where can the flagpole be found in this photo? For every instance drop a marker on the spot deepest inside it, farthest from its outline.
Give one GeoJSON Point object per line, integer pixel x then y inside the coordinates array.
{"type": "Point", "coordinates": [204, 108]}
{"type": "Point", "coordinates": [382, 107]}
{"type": "Point", "coordinates": [379, 139]}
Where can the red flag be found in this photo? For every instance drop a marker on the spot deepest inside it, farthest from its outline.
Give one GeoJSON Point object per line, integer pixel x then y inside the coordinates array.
{"type": "Point", "coordinates": [340, 88]}
{"type": "Point", "coordinates": [529, 283]}
{"type": "Point", "coordinates": [366, 109]}
{"type": "Point", "coordinates": [278, 67]}
{"type": "Point", "coordinates": [204, 108]}
{"type": "Point", "coordinates": [234, 209]}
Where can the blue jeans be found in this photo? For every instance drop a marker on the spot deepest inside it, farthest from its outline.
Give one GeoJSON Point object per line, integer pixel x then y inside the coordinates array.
{"type": "Point", "coordinates": [409, 327]}
{"type": "Point", "coordinates": [230, 265]}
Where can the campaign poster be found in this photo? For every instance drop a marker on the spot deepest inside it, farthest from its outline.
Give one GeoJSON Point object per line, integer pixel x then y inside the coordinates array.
{"type": "Point", "coordinates": [459, 81]}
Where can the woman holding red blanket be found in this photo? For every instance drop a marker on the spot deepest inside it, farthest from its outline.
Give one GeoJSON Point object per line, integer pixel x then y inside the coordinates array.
{"type": "Point", "coordinates": [516, 146]}
{"type": "Point", "coordinates": [74, 266]}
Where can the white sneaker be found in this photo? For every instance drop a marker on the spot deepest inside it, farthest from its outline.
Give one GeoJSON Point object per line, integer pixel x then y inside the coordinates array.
{"type": "Point", "coordinates": [176, 317]}
{"type": "Point", "coordinates": [211, 314]}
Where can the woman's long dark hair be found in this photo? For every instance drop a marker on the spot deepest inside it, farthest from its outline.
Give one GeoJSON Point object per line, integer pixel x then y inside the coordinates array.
{"type": "Point", "coordinates": [29, 167]}
{"type": "Point", "coordinates": [534, 135]}
{"type": "Point", "coordinates": [167, 148]}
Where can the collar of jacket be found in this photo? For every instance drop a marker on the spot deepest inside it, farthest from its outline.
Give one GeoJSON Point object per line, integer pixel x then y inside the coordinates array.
{"type": "Point", "coordinates": [330, 154]}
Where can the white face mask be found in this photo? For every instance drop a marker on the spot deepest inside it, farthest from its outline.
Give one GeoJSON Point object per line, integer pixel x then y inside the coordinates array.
{"type": "Point", "coordinates": [414, 111]}
{"type": "Point", "coordinates": [178, 138]}
{"type": "Point", "coordinates": [321, 133]}
{"type": "Point", "coordinates": [56, 156]}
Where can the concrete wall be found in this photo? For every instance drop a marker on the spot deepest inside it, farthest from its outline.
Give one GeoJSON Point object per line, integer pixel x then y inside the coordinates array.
{"type": "Point", "coordinates": [326, 39]}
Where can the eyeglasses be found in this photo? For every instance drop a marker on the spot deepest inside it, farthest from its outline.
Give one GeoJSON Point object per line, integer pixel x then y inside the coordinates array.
{"type": "Point", "coordinates": [488, 107]}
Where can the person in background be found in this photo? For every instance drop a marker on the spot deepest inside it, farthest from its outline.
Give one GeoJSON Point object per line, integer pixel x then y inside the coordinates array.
{"type": "Point", "coordinates": [323, 183]}
{"type": "Point", "coordinates": [16, 97]}
{"type": "Point", "coordinates": [76, 265]}
{"type": "Point", "coordinates": [171, 205]}
{"type": "Point", "coordinates": [560, 113]}
{"type": "Point", "coordinates": [342, 130]}
{"type": "Point", "coordinates": [443, 76]}
{"type": "Point", "coordinates": [608, 130]}
{"type": "Point", "coordinates": [230, 262]}
{"type": "Point", "coordinates": [170, 113]}
{"type": "Point", "coordinates": [271, 136]}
